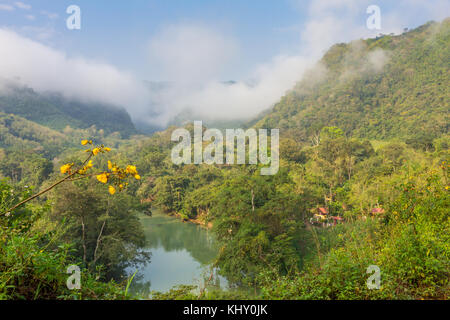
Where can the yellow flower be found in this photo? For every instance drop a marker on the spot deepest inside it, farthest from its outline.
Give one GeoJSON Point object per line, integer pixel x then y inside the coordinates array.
{"type": "Point", "coordinates": [131, 170]}
{"type": "Point", "coordinates": [107, 149]}
{"type": "Point", "coordinates": [84, 142]}
{"type": "Point", "coordinates": [66, 168]}
{"type": "Point", "coordinates": [89, 165]}
{"type": "Point", "coordinates": [110, 166]}
{"type": "Point", "coordinates": [95, 151]}
{"type": "Point", "coordinates": [112, 190]}
{"type": "Point", "coordinates": [103, 178]}
{"type": "Point", "coordinates": [137, 177]}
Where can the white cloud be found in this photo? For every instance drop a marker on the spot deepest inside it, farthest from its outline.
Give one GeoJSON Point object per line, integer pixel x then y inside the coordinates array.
{"type": "Point", "coordinates": [50, 15]}
{"type": "Point", "coordinates": [195, 58]}
{"type": "Point", "coordinates": [329, 22]}
{"type": "Point", "coordinates": [190, 53]}
{"type": "Point", "coordinates": [30, 17]}
{"type": "Point", "coordinates": [6, 7]}
{"type": "Point", "coordinates": [44, 69]}
{"type": "Point", "coordinates": [409, 13]}
{"type": "Point", "coordinates": [184, 58]}
{"type": "Point", "coordinates": [43, 34]}
{"type": "Point", "coordinates": [332, 21]}
{"type": "Point", "coordinates": [377, 59]}
{"type": "Point", "coordinates": [215, 100]}
{"type": "Point", "coordinates": [22, 5]}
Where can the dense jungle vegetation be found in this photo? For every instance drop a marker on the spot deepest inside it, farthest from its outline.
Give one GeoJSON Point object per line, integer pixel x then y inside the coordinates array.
{"type": "Point", "coordinates": [364, 137]}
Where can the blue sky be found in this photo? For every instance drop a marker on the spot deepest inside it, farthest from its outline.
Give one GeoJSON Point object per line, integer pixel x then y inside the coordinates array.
{"type": "Point", "coordinates": [195, 43]}
{"type": "Point", "coordinates": [119, 31]}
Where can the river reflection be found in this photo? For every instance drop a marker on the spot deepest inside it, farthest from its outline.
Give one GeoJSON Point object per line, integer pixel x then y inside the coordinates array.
{"type": "Point", "coordinates": [180, 254]}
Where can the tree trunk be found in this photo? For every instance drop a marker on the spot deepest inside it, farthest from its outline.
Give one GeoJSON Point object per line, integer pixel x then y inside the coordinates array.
{"type": "Point", "coordinates": [253, 201]}
{"type": "Point", "coordinates": [98, 242]}
{"type": "Point", "coordinates": [83, 239]}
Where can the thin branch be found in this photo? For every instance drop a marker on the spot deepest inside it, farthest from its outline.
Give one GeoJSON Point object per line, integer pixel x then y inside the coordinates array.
{"type": "Point", "coordinates": [98, 242]}
{"type": "Point", "coordinates": [40, 193]}
{"type": "Point", "coordinates": [47, 189]}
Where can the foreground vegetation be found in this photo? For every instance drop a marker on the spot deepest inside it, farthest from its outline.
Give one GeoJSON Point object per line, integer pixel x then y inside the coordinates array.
{"type": "Point", "coordinates": [263, 224]}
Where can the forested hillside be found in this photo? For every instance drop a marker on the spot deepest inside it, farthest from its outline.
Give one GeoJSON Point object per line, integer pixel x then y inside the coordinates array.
{"type": "Point", "coordinates": [383, 88]}
{"type": "Point", "coordinates": [56, 112]}
{"type": "Point", "coordinates": [28, 149]}
{"type": "Point", "coordinates": [20, 133]}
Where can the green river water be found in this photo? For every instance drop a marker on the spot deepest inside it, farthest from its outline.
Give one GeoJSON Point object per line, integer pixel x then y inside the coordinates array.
{"type": "Point", "coordinates": [181, 253]}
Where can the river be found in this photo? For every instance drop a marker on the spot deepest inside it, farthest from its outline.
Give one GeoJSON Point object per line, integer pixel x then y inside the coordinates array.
{"type": "Point", "coordinates": [181, 253]}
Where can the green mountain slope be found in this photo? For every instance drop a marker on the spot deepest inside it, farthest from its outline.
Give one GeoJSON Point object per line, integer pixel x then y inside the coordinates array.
{"type": "Point", "coordinates": [383, 88]}
{"type": "Point", "coordinates": [56, 112]}
{"type": "Point", "coordinates": [20, 134]}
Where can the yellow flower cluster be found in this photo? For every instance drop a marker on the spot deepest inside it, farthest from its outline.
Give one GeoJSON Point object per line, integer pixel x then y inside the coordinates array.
{"type": "Point", "coordinates": [103, 178]}
{"type": "Point", "coordinates": [86, 168]}
{"type": "Point", "coordinates": [85, 142]}
{"type": "Point", "coordinates": [96, 150]}
{"type": "Point", "coordinates": [131, 170]}
{"type": "Point", "coordinates": [66, 168]}
{"type": "Point", "coordinates": [101, 149]}
{"type": "Point", "coordinates": [112, 190]}
{"type": "Point", "coordinates": [115, 175]}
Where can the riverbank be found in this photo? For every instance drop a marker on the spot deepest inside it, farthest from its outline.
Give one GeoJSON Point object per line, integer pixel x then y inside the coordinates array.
{"type": "Point", "coordinates": [198, 221]}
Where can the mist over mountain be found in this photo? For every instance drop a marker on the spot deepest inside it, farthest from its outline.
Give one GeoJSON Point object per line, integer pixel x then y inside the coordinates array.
{"type": "Point", "coordinates": [55, 111]}
{"type": "Point", "coordinates": [391, 85]}
{"type": "Point", "coordinates": [160, 91]}
{"type": "Point", "coordinates": [381, 88]}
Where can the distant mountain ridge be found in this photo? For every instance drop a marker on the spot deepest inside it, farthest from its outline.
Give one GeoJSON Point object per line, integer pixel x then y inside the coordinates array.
{"type": "Point", "coordinates": [382, 88]}
{"type": "Point", "coordinates": [56, 112]}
